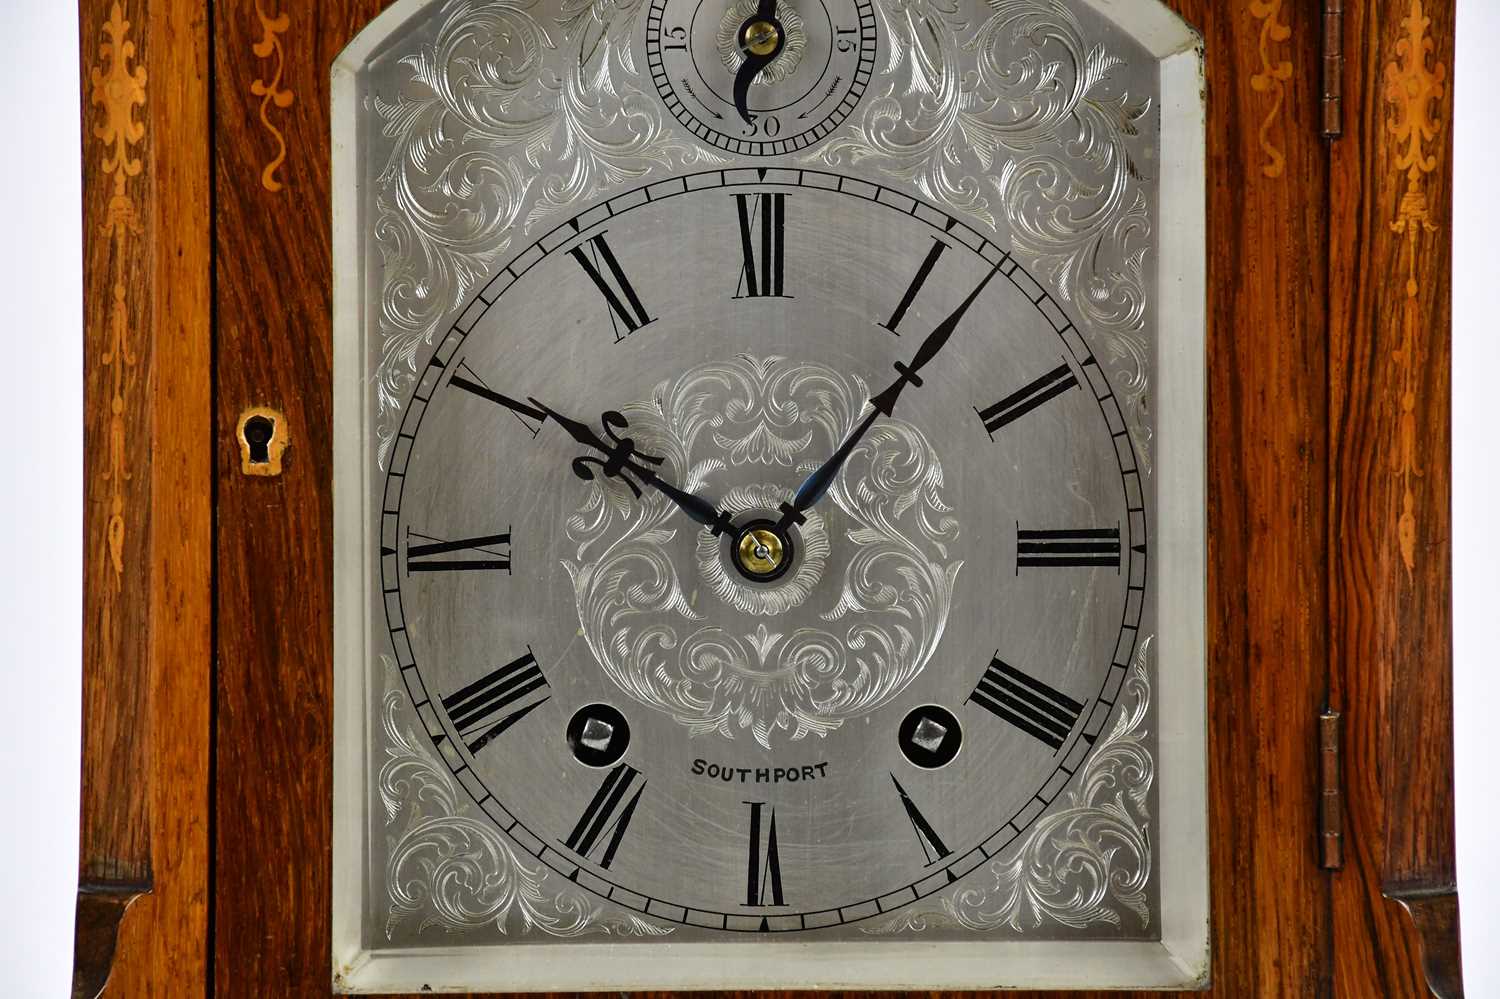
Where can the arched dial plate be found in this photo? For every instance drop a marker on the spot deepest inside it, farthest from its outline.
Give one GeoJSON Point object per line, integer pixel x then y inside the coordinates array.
{"type": "Point", "coordinates": [769, 496]}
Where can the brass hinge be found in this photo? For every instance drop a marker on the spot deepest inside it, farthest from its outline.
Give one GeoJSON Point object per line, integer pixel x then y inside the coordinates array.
{"type": "Point", "coordinates": [1333, 69]}
{"type": "Point", "coordinates": [1331, 798]}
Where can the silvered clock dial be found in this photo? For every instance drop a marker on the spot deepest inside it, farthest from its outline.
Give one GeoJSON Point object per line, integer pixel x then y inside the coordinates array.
{"type": "Point", "coordinates": [769, 496]}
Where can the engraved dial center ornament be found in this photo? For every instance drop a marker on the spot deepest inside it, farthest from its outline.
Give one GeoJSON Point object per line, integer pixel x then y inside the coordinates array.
{"type": "Point", "coordinates": [800, 634]}
{"type": "Point", "coordinates": [747, 527]}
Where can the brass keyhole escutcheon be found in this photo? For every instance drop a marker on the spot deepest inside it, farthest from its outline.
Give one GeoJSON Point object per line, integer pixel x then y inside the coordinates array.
{"type": "Point", "coordinates": [263, 439]}
{"type": "Point", "coordinates": [258, 434]}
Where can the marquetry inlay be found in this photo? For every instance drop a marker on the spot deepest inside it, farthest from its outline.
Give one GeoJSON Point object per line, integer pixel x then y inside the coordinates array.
{"type": "Point", "coordinates": [1272, 78]}
{"type": "Point", "coordinates": [271, 91]}
{"type": "Point", "coordinates": [119, 89]}
{"type": "Point", "coordinates": [1413, 91]}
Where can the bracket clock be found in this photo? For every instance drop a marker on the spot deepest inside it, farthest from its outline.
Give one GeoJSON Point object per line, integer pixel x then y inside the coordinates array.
{"type": "Point", "coordinates": [767, 494]}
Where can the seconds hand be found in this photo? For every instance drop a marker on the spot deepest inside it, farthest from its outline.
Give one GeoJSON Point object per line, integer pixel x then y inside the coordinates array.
{"type": "Point", "coordinates": [761, 40]}
{"type": "Point", "coordinates": [817, 484]}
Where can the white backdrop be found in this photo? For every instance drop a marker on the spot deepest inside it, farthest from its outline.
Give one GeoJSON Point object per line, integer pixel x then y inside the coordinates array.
{"type": "Point", "coordinates": [1476, 479]}
{"type": "Point", "coordinates": [41, 495]}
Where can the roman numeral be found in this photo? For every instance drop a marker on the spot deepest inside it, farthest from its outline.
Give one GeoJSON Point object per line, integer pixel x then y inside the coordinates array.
{"type": "Point", "coordinates": [767, 875]}
{"type": "Point", "coordinates": [424, 557]}
{"type": "Point", "coordinates": [473, 709]}
{"type": "Point", "coordinates": [625, 309]}
{"type": "Point", "coordinates": [531, 418]}
{"type": "Point", "coordinates": [608, 814]}
{"type": "Point", "coordinates": [1016, 405]}
{"type": "Point", "coordinates": [928, 263]}
{"type": "Point", "coordinates": [1073, 547]}
{"type": "Point", "coordinates": [764, 279]}
{"type": "Point", "coordinates": [933, 847]}
{"type": "Point", "coordinates": [1028, 704]}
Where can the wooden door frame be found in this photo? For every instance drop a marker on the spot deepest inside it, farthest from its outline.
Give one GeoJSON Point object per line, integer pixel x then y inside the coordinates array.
{"type": "Point", "coordinates": [148, 542]}
{"type": "Point", "coordinates": [1329, 482]}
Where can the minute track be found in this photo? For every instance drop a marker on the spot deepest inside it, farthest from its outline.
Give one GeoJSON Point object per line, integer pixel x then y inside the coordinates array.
{"type": "Point", "coordinates": [962, 861]}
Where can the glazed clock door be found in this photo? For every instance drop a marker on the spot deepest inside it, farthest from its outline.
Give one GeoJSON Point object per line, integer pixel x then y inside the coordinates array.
{"type": "Point", "coordinates": [769, 503]}
{"type": "Point", "coordinates": [772, 494]}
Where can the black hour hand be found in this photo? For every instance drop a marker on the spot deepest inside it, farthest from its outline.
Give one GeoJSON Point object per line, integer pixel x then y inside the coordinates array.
{"type": "Point", "coordinates": [619, 458]}
{"type": "Point", "coordinates": [619, 455]}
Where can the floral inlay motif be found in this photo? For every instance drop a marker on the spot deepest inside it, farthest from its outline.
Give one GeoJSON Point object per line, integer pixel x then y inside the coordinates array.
{"type": "Point", "coordinates": [119, 89]}
{"type": "Point", "coordinates": [270, 91]}
{"type": "Point", "coordinates": [1272, 79]}
{"type": "Point", "coordinates": [1413, 90]}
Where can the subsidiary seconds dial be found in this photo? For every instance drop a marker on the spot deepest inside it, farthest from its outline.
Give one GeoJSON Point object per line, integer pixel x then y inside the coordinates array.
{"type": "Point", "coordinates": [761, 77]}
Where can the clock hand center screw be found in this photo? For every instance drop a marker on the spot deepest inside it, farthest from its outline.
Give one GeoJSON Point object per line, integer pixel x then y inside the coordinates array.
{"type": "Point", "coordinates": [761, 552]}
{"type": "Point", "coordinates": [761, 38]}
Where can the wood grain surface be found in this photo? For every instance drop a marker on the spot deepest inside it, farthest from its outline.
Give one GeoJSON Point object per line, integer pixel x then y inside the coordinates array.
{"type": "Point", "coordinates": [1267, 529]}
{"type": "Point", "coordinates": [115, 863]}
{"type": "Point", "coordinates": [148, 512]}
{"type": "Point", "coordinates": [115, 834]}
{"type": "Point", "coordinates": [273, 299]}
{"type": "Point", "coordinates": [1268, 523]}
{"type": "Point", "coordinates": [1312, 601]}
{"type": "Point", "coordinates": [1434, 920]}
{"type": "Point", "coordinates": [1389, 498]}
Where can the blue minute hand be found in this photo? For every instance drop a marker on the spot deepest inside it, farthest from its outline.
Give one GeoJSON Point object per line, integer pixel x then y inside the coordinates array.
{"type": "Point", "coordinates": [817, 484]}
